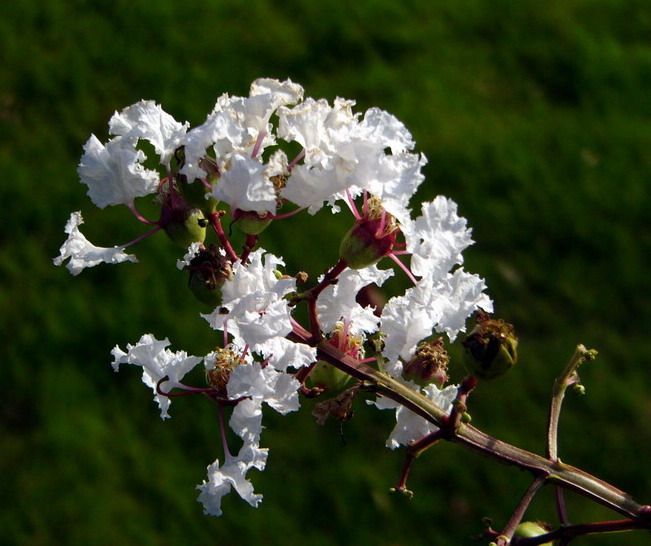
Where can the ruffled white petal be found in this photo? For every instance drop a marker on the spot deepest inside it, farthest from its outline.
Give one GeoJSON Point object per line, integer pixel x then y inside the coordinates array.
{"type": "Point", "coordinates": [193, 250]}
{"type": "Point", "coordinates": [246, 186]}
{"type": "Point", "coordinates": [278, 389]}
{"type": "Point", "coordinates": [437, 238]}
{"type": "Point", "coordinates": [409, 425]}
{"type": "Point", "coordinates": [147, 120]}
{"type": "Point", "coordinates": [82, 253]}
{"type": "Point", "coordinates": [239, 125]}
{"type": "Point", "coordinates": [338, 301]}
{"type": "Point", "coordinates": [114, 173]}
{"type": "Point", "coordinates": [157, 362]}
{"type": "Point", "coordinates": [443, 305]}
{"type": "Point", "coordinates": [232, 474]}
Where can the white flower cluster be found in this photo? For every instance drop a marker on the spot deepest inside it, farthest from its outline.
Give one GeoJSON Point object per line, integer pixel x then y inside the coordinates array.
{"type": "Point", "coordinates": [343, 155]}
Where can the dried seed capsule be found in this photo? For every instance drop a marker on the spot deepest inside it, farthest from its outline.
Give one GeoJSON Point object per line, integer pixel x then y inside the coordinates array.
{"type": "Point", "coordinates": [491, 348]}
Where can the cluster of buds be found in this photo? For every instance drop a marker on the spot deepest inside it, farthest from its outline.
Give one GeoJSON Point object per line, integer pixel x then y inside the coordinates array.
{"type": "Point", "coordinates": [235, 164]}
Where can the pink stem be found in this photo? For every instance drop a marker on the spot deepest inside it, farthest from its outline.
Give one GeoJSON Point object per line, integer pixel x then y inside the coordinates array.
{"type": "Point", "coordinates": [403, 267]}
{"type": "Point", "coordinates": [298, 158]}
{"type": "Point", "coordinates": [351, 205]}
{"type": "Point", "coordinates": [143, 236]}
{"type": "Point", "coordinates": [258, 144]}
{"type": "Point", "coordinates": [222, 431]}
{"type": "Point", "coordinates": [132, 207]}
{"type": "Point", "coordinates": [216, 224]}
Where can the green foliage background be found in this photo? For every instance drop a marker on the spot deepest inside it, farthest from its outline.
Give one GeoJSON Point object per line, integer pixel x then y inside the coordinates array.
{"type": "Point", "coordinates": [535, 118]}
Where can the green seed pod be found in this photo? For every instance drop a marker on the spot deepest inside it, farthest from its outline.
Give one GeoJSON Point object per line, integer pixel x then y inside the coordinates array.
{"type": "Point", "coordinates": [251, 222]}
{"type": "Point", "coordinates": [205, 289]}
{"type": "Point", "coordinates": [328, 377]}
{"type": "Point", "coordinates": [529, 529]}
{"type": "Point", "coordinates": [362, 246]}
{"type": "Point", "coordinates": [186, 227]}
{"type": "Point", "coordinates": [491, 348]}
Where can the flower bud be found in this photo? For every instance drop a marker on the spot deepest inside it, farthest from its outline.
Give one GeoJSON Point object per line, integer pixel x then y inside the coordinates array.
{"type": "Point", "coordinates": [328, 377]}
{"type": "Point", "coordinates": [491, 348]}
{"type": "Point", "coordinates": [196, 195]}
{"type": "Point", "coordinates": [366, 243]}
{"type": "Point", "coordinates": [184, 226]}
{"type": "Point", "coordinates": [209, 270]}
{"type": "Point", "coordinates": [529, 529]}
{"type": "Point", "coordinates": [429, 364]}
{"type": "Point", "coordinates": [251, 222]}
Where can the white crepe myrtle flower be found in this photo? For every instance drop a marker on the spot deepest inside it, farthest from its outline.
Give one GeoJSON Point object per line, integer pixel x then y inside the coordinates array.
{"type": "Point", "coordinates": [238, 124]}
{"type": "Point", "coordinates": [84, 254]}
{"type": "Point", "coordinates": [258, 313]}
{"type": "Point", "coordinates": [237, 157]}
{"type": "Point", "coordinates": [338, 301]}
{"type": "Point", "coordinates": [254, 298]}
{"type": "Point", "coordinates": [346, 154]}
{"type": "Point", "coordinates": [147, 120]}
{"type": "Point", "coordinates": [409, 425]}
{"type": "Point", "coordinates": [257, 385]}
{"type": "Point", "coordinates": [157, 362]}
{"type": "Point", "coordinates": [114, 172]}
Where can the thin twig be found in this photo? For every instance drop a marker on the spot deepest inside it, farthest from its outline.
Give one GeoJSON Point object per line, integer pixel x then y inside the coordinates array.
{"type": "Point", "coordinates": [567, 378]}
{"type": "Point", "coordinates": [518, 513]}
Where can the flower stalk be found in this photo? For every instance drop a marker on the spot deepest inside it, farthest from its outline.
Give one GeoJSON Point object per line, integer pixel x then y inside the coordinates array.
{"type": "Point", "coordinates": [469, 437]}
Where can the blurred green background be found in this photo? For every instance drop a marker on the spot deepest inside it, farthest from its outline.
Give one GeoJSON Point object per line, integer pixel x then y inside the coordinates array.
{"type": "Point", "coordinates": [535, 118]}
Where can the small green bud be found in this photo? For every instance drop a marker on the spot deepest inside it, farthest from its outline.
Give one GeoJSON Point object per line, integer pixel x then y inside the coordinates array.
{"type": "Point", "coordinates": [529, 529]}
{"type": "Point", "coordinates": [251, 222]}
{"type": "Point", "coordinates": [194, 192]}
{"type": "Point", "coordinates": [328, 377]}
{"type": "Point", "coordinates": [402, 491]}
{"type": "Point", "coordinates": [196, 195]}
{"type": "Point", "coordinates": [491, 348]}
{"type": "Point", "coordinates": [578, 389]}
{"type": "Point", "coordinates": [363, 246]}
{"type": "Point", "coordinates": [186, 227]}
